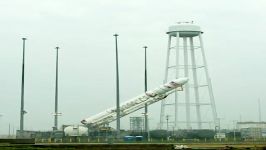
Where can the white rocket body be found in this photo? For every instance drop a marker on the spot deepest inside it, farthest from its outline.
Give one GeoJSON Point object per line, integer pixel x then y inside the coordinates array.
{"type": "Point", "coordinates": [136, 103]}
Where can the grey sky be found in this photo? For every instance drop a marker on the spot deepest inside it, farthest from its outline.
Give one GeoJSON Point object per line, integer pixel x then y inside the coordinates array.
{"type": "Point", "coordinates": [234, 37]}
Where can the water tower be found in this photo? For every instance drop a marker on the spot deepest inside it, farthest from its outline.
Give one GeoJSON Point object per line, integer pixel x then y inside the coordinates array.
{"type": "Point", "coordinates": [195, 107]}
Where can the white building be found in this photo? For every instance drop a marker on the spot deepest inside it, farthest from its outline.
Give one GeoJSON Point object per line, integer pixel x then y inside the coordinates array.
{"type": "Point", "coordinates": [252, 130]}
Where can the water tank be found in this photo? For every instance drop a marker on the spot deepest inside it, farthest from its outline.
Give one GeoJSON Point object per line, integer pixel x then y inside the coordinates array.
{"type": "Point", "coordinates": [184, 30]}
{"type": "Point", "coordinates": [78, 130]}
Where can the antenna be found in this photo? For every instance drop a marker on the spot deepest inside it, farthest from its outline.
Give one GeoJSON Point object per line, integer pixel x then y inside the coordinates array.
{"type": "Point", "coordinates": [259, 110]}
{"type": "Point", "coordinates": [185, 22]}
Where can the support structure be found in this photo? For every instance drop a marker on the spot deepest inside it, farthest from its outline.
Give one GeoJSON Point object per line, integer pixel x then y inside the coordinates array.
{"type": "Point", "coordinates": [117, 90]}
{"type": "Point", "coordinates": [56, 114]}
{"type": "Point", "coordinates": [146, 105]}
{"type": "Point", "coordinates": [187, 96]}
{"type": "Point", "coordinates": [136, 124]}
{"type": "Point", "coordinates": [181, 42]}
{"type": "Point", "coordinates": [196, 86]}
{"type": "Point", "coordinates": [22, 111]}
{"type": "Point", "coordinates": [150, 97]}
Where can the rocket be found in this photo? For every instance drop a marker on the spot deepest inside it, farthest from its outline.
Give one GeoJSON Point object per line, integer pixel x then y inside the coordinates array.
{"type": "Point", "coordinates": [168, 87]}
{"type": "Point", "coordinates": [136, 103]}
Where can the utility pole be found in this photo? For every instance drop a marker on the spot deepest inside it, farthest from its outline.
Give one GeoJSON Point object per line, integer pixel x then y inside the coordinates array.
{"type": "Point", "coordinates": [234, 127]}
{"type": "Point", "coordinates": [117, 90]}
{"type": "Point", "coordinates": [259, 110]}
{"type": "Point", "coordinates": [0, 116]}
{"type": "Point", "coordinates": [167, 119]}
{"type": "Point", "coordinates": [22, 111]}
{"type": "Point", "coordinates": [9, 130]}
{"type": "Point", "coordinates": [56, 94]}
{"type": "Point", "coordinates": [146, 106]}
{"type": "Point", "coordinates": [167, 126]}
{"type": "Point", "coordinates": [13, 130]}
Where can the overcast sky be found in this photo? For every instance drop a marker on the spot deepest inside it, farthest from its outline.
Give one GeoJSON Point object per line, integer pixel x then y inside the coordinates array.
{"type": "Point", "coordinates": [234, 37]}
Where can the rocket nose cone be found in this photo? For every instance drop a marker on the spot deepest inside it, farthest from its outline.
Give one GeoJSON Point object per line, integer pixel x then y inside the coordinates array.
{"type": "Point", "coordinates": [182, 80]}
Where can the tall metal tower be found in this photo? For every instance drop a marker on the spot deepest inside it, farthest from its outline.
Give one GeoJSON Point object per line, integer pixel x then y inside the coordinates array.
{"type": "Point", "coordinates": [137, 124]}
{"type": "Point", "coordinates": [56, 114]}
{"type": "Point", "coordinates": [117, 89]}
{"type": "Point", "coordinates": [22, 111]}
{"type": "Point", "coordinates": [184, 39]}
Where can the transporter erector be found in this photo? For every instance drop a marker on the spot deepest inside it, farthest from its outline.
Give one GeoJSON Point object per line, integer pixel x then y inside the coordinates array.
{"type": "Point", "coordinates": [135, 104]}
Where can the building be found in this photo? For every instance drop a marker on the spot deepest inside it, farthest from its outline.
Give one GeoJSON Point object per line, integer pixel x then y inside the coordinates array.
{"type": "Point", "coordinates": [252, 130]}
{"type": "Point", "coordinates": [137, 124]}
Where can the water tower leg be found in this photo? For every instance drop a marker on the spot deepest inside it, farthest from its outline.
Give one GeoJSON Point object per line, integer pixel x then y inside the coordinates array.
{"type": "Point", "coordinates": [177, 76]}
{"type": "Point", "coordinates": [208, 79]}
{"type": "Point", "coordinates": [187, 98]}
{"type": "Point", "coordinates": [165, 80]}
{"type": "Point", "coordinates": [195, 79]}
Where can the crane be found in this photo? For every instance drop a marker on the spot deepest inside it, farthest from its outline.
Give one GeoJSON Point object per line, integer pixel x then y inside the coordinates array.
{"type": "Point", "coordinates": [136, 103]}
